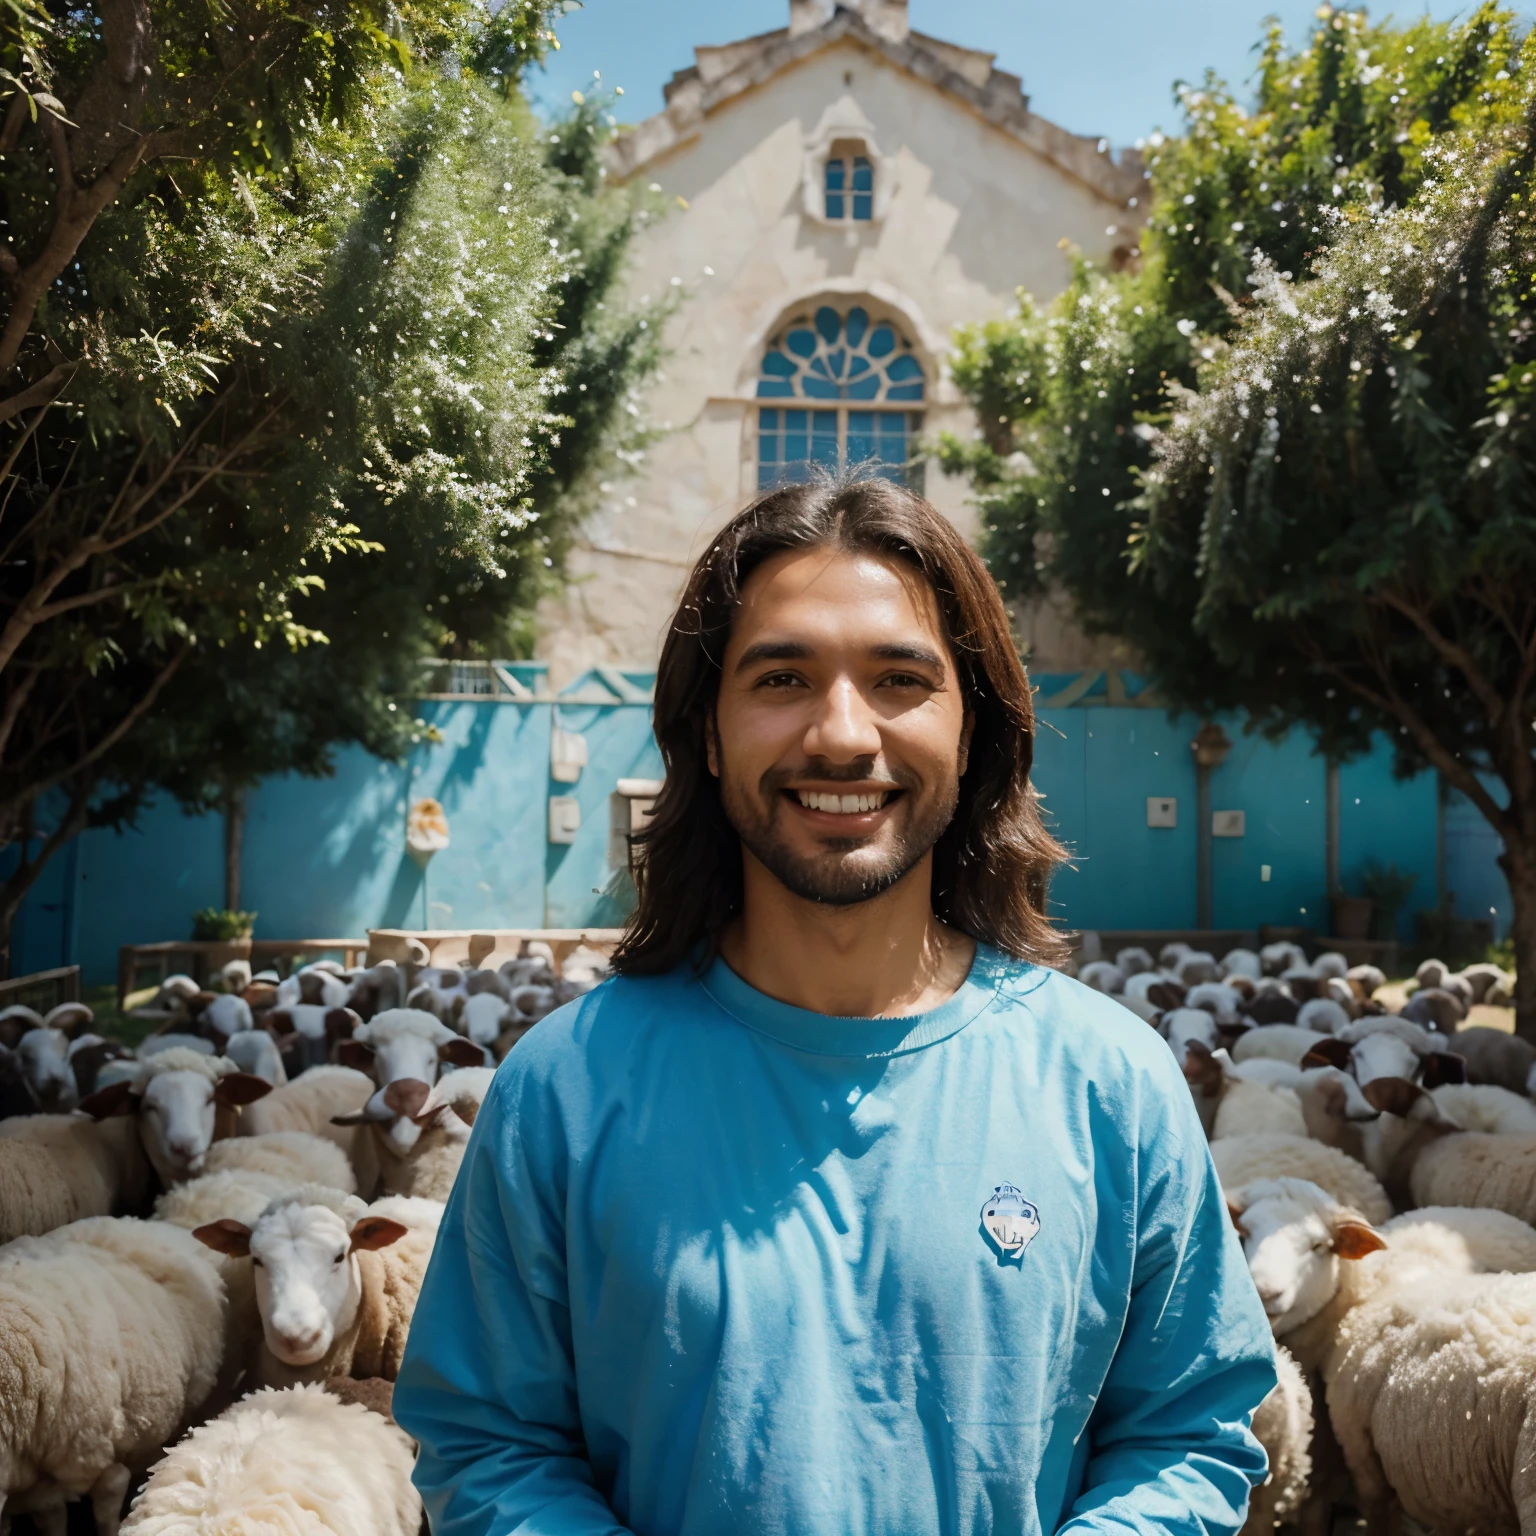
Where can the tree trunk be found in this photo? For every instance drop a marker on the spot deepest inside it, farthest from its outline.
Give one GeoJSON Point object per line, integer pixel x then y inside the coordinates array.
{"type": "Point", "coordinates": [234, 840]}
{"type": "Point", "coordinates": [1519, 866]}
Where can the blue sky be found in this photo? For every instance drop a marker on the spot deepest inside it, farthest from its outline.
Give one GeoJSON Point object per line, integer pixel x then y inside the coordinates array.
{"type": "Point", "coordinates": [1093, 66]}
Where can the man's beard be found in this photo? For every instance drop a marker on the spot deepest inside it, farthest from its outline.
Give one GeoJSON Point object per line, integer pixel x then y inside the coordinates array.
{"type": "Point", "coordinates": [837, 876]}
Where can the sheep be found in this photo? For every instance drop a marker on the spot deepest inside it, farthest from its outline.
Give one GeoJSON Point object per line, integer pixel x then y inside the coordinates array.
{"type": "Point", "coordinates": [15, 1021]}
{"type": "Point", "coordinates": [337, 1281]}
{"type": "Point", "coordinates": [1172, 952]}
{"type": "Point", "coordinates": [376, 989]}
{"type": "Point", "coordinates": [1271, 1003]}
{"type": "Point", "coordinates": [235, 975]}
{"type": "Point", "coordinates": [1493, 1111]}
{"type": "Point", "coordinates": [16, 1096]}
{"type": "Point", "coordinates": [298, 1157]}
{"type": "Point", "coordinates": [1195, 967]}
{"type": "Point", "coordinates": [1330, 963]}
{"type": "Point", "coordinates": [293, 1461]}
{"type": "Point", "coordinates": [1275, 958]}
{"type": "Point", "coordinates": [1156, 988]}
{"type": "Point", "coordinates": [227, 1014]}
{"type": "Point", "coordinates": [1184, 1025]}
{"type": "Point", "coordinates": [175, 1100]}
{"type": "Point", "coordinates": [1280, 1042]}
{"type": "Point", "coordinates": [1494, 1172]}
{"type": "Point", "coordinates": [1431, 973]}
{"type": "Point", "coordinates": [1229, 1105]}
{"type": "Point", "coordinates": [313, 1102]}
{"type": "Point", "coordinates": [255, 1051]}
{"type": "Point", "coordinates": [111, 1331]}
{"type": "Point", "coordinates": [44, 1055]}
{"type": "Point", "coordinates": [1241, 962]}
{"type": "Point", "coordinates": [35, 1196]}
{"type": "Point", "coordinates": [1240, 1160]}
{"type": "Point", "coordinates": [1436, 1009]}
{"type": "Point", "coordinates": [1283, 1424]}
{"type": "Point", "coordinates": [1388, 1046]}
{"type": "Point", "coordinates": [403, 1043]}
{"type": "Point", "coordinates": [484, 1015]}
{"type": "Point", "coordinates": [1492, 1056]}
{"type": "Point", "coordinates": [88, 1055]}
{"type": "Point", "coordinates": [1133, 960]}
{"type": "Point", "coordinates": [176, 1040]}
{"type": "Point", "coordinates": [102, 1165]}
{"type": "Point", "coordinates": [1365, 980]}
{"type": "Point", "coordinates": [1102, 976]}
{"type": "Point", "coordinates": [1323, 1015]}
{"type": "Point", "coordinates": [306, 1032]}
{"type": "Point", "coordinates": [445, 1116]}
{"type": "Point", "coordinates": [1223, 1003]}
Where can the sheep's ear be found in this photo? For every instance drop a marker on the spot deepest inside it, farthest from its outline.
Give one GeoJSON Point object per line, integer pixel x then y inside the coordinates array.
{"type": "Point", "coordinates": [1392, 1095]}
{"type": "Point", "coordinates": [376, 1232]}
{"type": "Point", "coordinates": [232, 1238]}
{"type": "Point", "coordinates": [1354, 1239]}
{"type": "Point", "coordinates": [340, 1023]}
{"type": "Point", "coordinates": [237, 1088]}
{"type": "Point", "coordinates": [280, 1022]}
{"type": "Point", "coordinates": [1202, 1070]}
{"type": "Point", "coordinates": [461, 1052]}
{"type": "Point", "coordinates": [406, 1095]}
{"type": "Point", "coordinates": [356, 1054]}
{"type": "Point", "coordinates": [1442, 1067]}
{"type": "Point", "coordinates": [115, 1099]}
{"type": "Point", "coordinates": [1331, 1052]}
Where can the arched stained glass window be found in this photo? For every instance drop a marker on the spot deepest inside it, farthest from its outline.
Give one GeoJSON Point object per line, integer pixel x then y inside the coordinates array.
{"type": "Point", "coordinates": [858, 378]}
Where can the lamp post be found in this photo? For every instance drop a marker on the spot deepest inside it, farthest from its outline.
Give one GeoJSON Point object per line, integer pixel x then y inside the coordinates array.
{"type": "Point", "coordinates": [1211, 747]}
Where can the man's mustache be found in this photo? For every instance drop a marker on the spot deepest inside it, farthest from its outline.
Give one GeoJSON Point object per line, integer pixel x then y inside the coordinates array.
{"type": "Point", "coordinates": [860, 771]}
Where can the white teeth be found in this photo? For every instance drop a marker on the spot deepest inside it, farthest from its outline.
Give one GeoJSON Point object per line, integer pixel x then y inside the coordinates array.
{"type": "Point", "coordinates": [844, 805]}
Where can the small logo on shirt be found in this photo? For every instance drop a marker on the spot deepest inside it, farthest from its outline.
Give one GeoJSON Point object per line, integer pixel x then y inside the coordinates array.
{"type": "Point", "coordinates": [1010, 1220]}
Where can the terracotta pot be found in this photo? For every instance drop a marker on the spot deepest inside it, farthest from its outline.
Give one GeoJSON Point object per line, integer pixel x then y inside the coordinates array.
{"type": "Point", "coordinates": [1351, 916]}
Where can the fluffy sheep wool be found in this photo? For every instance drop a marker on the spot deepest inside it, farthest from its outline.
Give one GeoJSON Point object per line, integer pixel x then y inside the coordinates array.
{"type": "Point", "coordinates": [1242, 1159]}
{"type": "Point", "coordinates": [294, 1462]}
{"type": "Point", "coordinates": [1283, 1425]}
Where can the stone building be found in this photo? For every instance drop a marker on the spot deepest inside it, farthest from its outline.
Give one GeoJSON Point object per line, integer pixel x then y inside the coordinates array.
{"type": "Point", "coordinates": [846, 192]}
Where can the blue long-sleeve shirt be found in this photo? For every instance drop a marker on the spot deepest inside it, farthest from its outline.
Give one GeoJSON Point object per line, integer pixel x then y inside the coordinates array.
{"type": "Point", "coordinates": [715, 1264]}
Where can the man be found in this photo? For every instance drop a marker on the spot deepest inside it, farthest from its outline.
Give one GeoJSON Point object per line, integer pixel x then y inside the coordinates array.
{"type": "Point", "coordinates": [837, 1211]}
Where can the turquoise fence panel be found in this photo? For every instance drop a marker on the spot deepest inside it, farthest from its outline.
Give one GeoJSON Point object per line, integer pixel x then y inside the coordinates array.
{"type": "Point", "coordinates": [1061, 738]}
{"type": "Point", "coordinates": [1386, 820]}
{"type": "Point", "coordinates": [1472, 871]}
{"type": "Point", "coordinates": [42, 933]}
{"type": "Point", "coordinates": [1281, 788]}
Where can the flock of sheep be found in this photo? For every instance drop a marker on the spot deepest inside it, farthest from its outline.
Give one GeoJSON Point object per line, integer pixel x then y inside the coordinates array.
{"type": "Point", "coordinates": [1406, 1342]}
{"type": "Point", "coordinates": [221, 1236]}
{"type": "Point", "coordinates": [225, 1233]}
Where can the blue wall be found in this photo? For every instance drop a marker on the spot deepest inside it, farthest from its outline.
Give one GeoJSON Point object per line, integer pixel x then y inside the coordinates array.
{"type": "Point", "coordinates": [326, 858]}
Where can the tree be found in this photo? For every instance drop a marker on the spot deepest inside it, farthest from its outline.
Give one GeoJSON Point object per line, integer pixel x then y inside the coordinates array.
{"type": "Point", "coordinates": [199, 409]}
{"type": "Point", "coordinates": [1288, 459]}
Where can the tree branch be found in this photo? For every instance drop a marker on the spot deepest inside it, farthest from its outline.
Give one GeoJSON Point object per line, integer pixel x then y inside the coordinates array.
{"type": "Point", "coordinates": [42, 392]}
{"type": "Point", "coordinates": [14, 704]}
{"type": "Point", "coordinates": [1451, 653]}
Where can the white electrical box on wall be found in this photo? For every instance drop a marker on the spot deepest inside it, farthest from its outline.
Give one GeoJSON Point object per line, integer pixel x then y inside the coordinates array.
{"type": "Point", "coordinates": [1229, 823]}
{"type": "Point", "coordinates": [1162, 811]}
{"type": "Point", "coordinates": [567, 755]}
{"type": "Point", "coordinates": [564, 818]}
{"type": "Point", "coordinates": [629, 811]}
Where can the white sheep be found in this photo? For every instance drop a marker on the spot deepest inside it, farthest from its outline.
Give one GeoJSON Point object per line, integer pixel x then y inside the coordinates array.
{"type": "Point", "coordinates": [1283, 1424]}
{"type": "Point", "coordinates": [337, 1280]}
{"type": "Point", "coordinates": [312, 1102]}
{"type": "Point", "coordinates": [1172, 952]}
{"type": "Point", "coordinates": [1278, 1042]}
{"type": "Point", "coordinates": [1240, 1160]}
{"type": "Point", "coordinates": [44, 1055]}
{"type": "Point", "coordinates": [1330, 963]}
{"type": "Point", "coordinates": [101, 1166]}
{"type": "Point", "coordinates": [445, 1116]}
{"type": "Point", "coordinates": [1182, 1026]}
{"type": "Point", "coordinates": [227, 1014]}
{"type": "Point", "coordinates": [111, 1331]}
{"type": "Point", "coordinates": [1365, 979]}
{"type": "Point", "coordinates": [1103, 976]}
{"type": "Point", "coordinates": [296, 1157]}
{"type": "Point", "coordinates": [256, 1052]}
{"type": "Point", "coordinates": [1492, 1056]}
{"type": "Point", "coordinates": [176, 1100]}
{"type": "Point", "coordinates": [1196, 966]}
{"type": "Point", "coordinates": [1483, 978]}
{"type": "Point", "coordinates": [293, 1461]}
{"type": "Point", "coordinates": [1228, 1105]}
{"type": "Point", "coordinates": [1241, 962]}
{"type": "Point", "coordinates": [484, 1015]}
{"type": "Point", "coordinates": [1223, 1003]}
{"type": "Point", "coordinates": [1431, 973]}
{"type": "Point", "coordinates": [1155, 987]}
{"type": "Point", "coordinates": [1323, 1015]}
{"type": "Point", "coordinates": [1133, 960]}
{"type": "Point", "coordinates": [1284, 956]}
{"type": "Point", "coordinates": [1482, 1107]}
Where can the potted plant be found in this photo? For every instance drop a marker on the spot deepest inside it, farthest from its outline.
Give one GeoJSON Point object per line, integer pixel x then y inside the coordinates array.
{"type": "Point", "coordinates": [1388, 889]}
{"type": "Point", "coordinates": [1351, 915]}
{"type": "Point", "coordinates": [227, 933]}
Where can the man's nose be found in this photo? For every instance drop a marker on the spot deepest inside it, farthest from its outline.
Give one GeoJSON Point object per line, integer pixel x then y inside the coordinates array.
{"type": "Point", "coordinates": [845, 727]}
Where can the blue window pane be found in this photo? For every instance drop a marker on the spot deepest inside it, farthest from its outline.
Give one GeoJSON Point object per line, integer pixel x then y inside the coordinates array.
{"type": "Point", "coordinates": [824, 439]}
{"type": "Point", "coordinates": [775, 389]}
{"type": "Point", "coordinates": [904, 368]}
{"type": "Point", "coordinates": [904, 392]}
{"type": "Point", "coordinates": [861, 437]}
{"type": "Point", "coordinates": [882, 341]}
{"type": "Point", "coordinates": [814, 388]}
{"type": "Point", "coordinates": [796, 420]}
{"type": "Point", "coordinates": [837, 361]}
{"type": "Point", "coordinates": [801, 342]}
{"type": "Point", "coordinates": [835, 172]}
{"type": "Point", "coordinates": [856, 325]}
{"type": "Point", "coordinates": [829, 323]}
{"type": "Point", "coordinates": [863, 175]}
{"type": "Point", "coordinates": [835, 204]}
{"type": "Point", "coordinates": [779, 365]}
{"type": "Point", "coordinates": [863, 206]}
{"type": "Point", "coordinates": [867, 388]}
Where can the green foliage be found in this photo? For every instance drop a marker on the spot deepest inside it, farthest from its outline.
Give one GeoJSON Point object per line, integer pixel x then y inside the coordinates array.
{"type": "Point", "coordinates": [221, 925]}
{"type": "Point", "coordinates": [1389, 888]}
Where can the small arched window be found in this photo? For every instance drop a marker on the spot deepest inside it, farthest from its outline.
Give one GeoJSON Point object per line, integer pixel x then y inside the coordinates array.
{"type": "Point", "coordinates": [850, 187]}
{"type": "Point", "coordinates": [848, 384]}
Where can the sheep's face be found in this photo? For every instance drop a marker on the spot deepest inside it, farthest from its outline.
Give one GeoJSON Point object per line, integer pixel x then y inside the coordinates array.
{"type": "Point", "coordinates": [1383, 1055]}
{"type": "Point", "coordinates": [1188, 1025]}
{"type": "Point", "coordinates": [308, 1283]}
{"type": "Point", "coordinates": [44, 1055]}
{"type": "Point", "coordinates": [840, 729]}
{"type": "Point", "coordinates": [176, 1117]}
{"type": "Point", "coordinates": [1290, 1252]}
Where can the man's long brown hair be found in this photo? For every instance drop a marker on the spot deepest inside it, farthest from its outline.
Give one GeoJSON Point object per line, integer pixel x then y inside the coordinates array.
{"type": "Point", "coordinates": [992, 864]}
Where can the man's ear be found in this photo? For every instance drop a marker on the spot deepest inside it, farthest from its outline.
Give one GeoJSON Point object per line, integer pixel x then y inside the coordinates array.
{"type": "Point", "coordinates": [711, 744]}
{"type": "Point", "coordinates": [968, 725]}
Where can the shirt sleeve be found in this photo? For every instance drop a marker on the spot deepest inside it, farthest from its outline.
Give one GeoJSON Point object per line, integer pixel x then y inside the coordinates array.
{"type": "Point", "coordinates": [1170, 1452]}
{"type": "Point", "coordinates": [487, 1386]}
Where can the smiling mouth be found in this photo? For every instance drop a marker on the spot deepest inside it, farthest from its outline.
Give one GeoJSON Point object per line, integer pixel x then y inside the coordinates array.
{"type": "Point", "coordinates": [844, 805]}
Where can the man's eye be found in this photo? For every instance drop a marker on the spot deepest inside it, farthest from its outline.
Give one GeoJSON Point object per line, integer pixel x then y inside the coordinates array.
{"type": "Point", "coordinates": [779, 680]}
{"type": "Point", "coordinates": [904, 680]}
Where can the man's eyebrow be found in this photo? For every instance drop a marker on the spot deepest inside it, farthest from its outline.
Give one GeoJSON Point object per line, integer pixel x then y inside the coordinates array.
{"type": "Point", "coordinates": [797, 650]}
{"type": "Point", "coordinates": [773, 650]}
